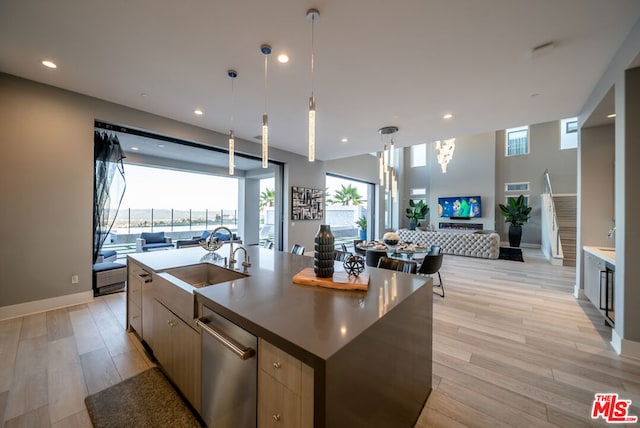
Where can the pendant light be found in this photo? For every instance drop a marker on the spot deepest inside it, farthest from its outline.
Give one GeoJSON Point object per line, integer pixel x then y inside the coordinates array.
{"type": "Point", "coordinates": [313, 15]}
{"type": "Point", "coordinates": [387, 171]}
{"type": "Point", "coordinates": [232, 74]}
{"type": "Point", "coordinates": [266, 51]}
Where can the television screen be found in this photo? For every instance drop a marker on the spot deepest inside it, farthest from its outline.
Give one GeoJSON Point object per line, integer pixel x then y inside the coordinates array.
{"type": "Point", "coordinates": [460, 207]}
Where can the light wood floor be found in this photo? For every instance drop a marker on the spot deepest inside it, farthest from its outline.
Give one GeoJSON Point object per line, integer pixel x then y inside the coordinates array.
{"type": "Point", "coordinates": [512, 347]}
{"type": "Point", "coordinates": [50, 362]}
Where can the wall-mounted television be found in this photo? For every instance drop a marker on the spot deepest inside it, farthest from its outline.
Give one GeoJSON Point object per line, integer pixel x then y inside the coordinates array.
{"type": "Point", "coordinates": [460, 207]}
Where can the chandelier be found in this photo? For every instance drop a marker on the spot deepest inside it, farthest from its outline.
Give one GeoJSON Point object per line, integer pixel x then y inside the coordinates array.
{"type": "Point", "coordinates": [387, 170]}
{"type": "Point", "coordinates": [444, 150]}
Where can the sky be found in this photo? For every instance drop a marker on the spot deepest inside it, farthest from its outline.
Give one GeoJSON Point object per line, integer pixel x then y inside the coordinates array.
{"type": "Point", "coordinates": [163, 188]}
{"type": "Point", "coordinates": [158, 188]}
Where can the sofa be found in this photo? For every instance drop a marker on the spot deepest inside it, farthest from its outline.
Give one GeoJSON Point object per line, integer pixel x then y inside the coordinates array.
{"type": "Point", "coordinates": [472, 244]}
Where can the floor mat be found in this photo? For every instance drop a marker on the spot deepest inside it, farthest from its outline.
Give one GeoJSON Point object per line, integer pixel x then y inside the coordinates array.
{"type": "Point", "coordinates": [145, 400]}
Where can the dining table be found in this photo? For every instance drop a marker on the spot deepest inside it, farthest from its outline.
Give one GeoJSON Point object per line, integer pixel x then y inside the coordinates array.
{"type": "Point", "coordinates": [402, 250]}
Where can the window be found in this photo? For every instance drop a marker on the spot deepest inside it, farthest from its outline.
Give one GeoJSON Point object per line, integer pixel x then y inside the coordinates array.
{"type": "Point", "coordinates": [418, 155]}
{"type": "Point", "coordinates": [516, 187]}
{"type": "Point", "coordinates": [517, 141]}
{"type": "Point", "coordinates": [569, 133]}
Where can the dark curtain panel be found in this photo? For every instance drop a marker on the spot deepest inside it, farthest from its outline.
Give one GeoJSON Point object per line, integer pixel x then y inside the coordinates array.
{"type": "Point", "coordinates": [108, 186]}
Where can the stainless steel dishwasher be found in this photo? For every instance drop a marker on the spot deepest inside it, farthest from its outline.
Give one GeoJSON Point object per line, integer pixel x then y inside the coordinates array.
{"type": "Point", "coordinates": [229, 373]}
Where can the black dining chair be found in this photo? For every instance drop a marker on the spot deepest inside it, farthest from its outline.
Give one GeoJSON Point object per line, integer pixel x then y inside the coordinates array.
{"type": "Point", "coordinates": [434, 250]}
{"type": "Point", "coordinates": [341, 256]}
{"type": "Point", "coordinates": [268, 245]}
{"type": "Point", "coordinates": [344, 247]}
{"type": "Point", "coordinates": [360, 251]}
{"type": "Point", "coordinates": [297, 249]}
{"type": "Point", "coordinates": [431, 265]}
{"type": "Point", "coordinates": [406, 266]}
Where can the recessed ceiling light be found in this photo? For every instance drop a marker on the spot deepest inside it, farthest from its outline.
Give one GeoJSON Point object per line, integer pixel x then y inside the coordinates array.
{"type": "Point", "coordinates": [161, 145]}
{"type": "Point", "coordinates": [135, 149]}
{"type": "Point", "coordinates": [143, 94]}
{"type": "Point", "coordinates": [447, 116]}
{"type": "Point", "coordinates": [344, 140]}
{"type": "Point", "coordinates": [611, 116]}
{"type": "Point", "coordinates": [283, 58]}
{"type": "Point", "coordinates": [49, 64]}
{"type": "Point", "coordinates": [198, 112]}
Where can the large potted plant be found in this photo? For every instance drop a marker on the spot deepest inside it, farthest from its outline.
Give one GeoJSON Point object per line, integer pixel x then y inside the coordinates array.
{"type": "Point", "coordinates": [516, 213]}
{"type": "Point", "coordinates": [416, 212]}
{"type": "Point", "coordinates": [362, 224]}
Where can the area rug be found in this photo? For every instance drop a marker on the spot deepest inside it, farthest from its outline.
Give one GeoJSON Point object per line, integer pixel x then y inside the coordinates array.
{"type": "Point", "coordinates": [145, 400]}
{"type": "Point", "coordinates": [514, 254]}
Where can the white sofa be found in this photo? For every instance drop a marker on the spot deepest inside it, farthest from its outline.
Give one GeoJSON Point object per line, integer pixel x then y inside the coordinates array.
{"type": "Point", "coordinates": [471, 244]}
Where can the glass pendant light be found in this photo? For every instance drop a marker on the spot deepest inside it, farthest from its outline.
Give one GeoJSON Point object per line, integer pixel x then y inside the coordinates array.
{"type": "Point", "coordinates": [232, 74]}
{"type": "Point", "coordinates": [266, 50]}
{"type": "Point", "coordinates": [312, 15]}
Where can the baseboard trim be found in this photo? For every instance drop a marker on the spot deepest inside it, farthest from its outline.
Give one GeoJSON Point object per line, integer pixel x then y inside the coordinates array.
{"type": "Point", "coordinates": [37, 306]}
{"type": "Point", "coordinates": [624, 347]}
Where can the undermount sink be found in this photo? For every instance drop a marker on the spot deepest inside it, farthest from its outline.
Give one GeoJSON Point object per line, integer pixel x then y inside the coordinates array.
{"type": "Point", "coordinates": [204, 274]}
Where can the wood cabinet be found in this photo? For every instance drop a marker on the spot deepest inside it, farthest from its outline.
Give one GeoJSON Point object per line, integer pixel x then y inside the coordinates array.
{"type": "Point", "coordinates": [285, 389]}
{"type": "Point", "coordinates": [135, 275]}
{"type": "Point", "coordinates": [139, 301]}
{"type": "Point", "coordinates": [177, 348]}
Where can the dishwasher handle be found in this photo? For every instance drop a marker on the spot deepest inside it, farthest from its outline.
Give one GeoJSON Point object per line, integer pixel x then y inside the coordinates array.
{"type": "Point", "coordinates": [244, 353]}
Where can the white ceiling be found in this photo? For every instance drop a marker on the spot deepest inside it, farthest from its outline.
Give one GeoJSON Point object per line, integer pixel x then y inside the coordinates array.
{"type": "Point", "coordinates": [378, 63]}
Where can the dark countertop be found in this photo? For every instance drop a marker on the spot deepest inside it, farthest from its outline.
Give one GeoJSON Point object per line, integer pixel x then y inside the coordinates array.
{"type": "Point", "coordinates": [311, 323]}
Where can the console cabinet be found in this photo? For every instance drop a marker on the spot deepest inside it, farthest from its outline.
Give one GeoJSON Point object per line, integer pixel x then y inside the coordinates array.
{"type": "Point", "coordinates": [592, 267]}
{"type": "Point", "coordinates": [285, 389]}
{"type": "Point", "coordinates": [178, 349]}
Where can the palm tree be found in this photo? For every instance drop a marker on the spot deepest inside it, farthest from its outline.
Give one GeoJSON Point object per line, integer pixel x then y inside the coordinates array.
{"type": "Point", "coordinates": [347, 195]}
{"type": "Point", "coordinates": [267, 198]}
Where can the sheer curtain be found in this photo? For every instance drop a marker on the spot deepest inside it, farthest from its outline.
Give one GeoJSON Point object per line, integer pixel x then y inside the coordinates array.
{"type": "Point", "coordinates": [108, 186]}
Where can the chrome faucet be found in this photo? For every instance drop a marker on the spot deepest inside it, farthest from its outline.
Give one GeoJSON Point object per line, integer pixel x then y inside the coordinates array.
{"type": "Point", "coordinates": [212, 238]}
{"type": "Point", "coordinates": [245, 264]}
{"type": "Point", "coordinates": [612, 232]}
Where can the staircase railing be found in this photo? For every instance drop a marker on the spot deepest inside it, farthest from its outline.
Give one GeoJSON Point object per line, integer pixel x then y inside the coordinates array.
{"type": "Point", "coordinates": [549, 205]}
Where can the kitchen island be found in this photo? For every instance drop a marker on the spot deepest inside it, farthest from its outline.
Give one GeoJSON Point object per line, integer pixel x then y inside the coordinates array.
{"type": "Point", "coordinates": [366, 355]}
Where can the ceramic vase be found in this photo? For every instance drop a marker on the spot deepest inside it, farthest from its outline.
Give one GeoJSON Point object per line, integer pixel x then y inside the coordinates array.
{"type": "Point", "coordinates": [323, 254]}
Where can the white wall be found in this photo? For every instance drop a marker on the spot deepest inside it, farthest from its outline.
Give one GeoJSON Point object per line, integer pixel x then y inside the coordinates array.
{"type": "Point", "coordinates": [471, 172]}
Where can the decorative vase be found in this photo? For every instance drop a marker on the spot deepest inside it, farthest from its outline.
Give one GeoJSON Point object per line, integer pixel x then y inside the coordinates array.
{"type": "Point", "coordinates": [515, 235]}
{"type": "Point", "coordinates": [363, 234]}
{"type": "Point", "coordinates": [323, 254]}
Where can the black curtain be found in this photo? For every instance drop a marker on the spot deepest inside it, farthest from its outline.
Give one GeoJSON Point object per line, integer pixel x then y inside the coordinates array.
{"type": "Point", "coordinates": [108, 186]}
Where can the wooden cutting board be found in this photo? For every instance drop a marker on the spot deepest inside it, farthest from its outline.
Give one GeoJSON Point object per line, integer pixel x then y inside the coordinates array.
{"type": "Point", "coordinates": [340, 280]}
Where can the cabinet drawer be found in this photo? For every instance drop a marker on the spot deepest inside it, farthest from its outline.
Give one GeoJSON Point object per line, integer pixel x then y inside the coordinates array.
{"type": "Point", "coordinates": [282, 366]}
{"type": "Point", "coordinates": [278, 406]}
{"type": "Point", "coordinates": [135, 292]}
{"type": "Point", "coordinates": [135, 317]}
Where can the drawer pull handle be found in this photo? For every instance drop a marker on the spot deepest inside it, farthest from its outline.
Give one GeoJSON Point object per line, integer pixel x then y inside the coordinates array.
{"type": "Point", "coordinates": [276, 417]}
{"type": "Point", "coordinates": [276, 365]}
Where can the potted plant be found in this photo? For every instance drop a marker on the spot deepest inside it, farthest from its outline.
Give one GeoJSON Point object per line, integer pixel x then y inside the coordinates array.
{"type": "Point", "coordinates": [516, 213]}
{"type": "Point", "coordinates": [362, 224]}
{"type": "Point", "coordinates": [416, 212]}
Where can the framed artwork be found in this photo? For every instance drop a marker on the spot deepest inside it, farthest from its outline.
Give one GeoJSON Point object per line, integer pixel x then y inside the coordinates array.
{"type": "Point", "coordinates": [306, 204]}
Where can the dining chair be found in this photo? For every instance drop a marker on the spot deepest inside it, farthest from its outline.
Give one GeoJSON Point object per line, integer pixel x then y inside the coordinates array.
{"type": "Point", "coordinates": [268, 245]}
{"type": "Point", "coordinates": [344, 247]}
{"type": "Point", "coordinates": [297, 249]}
{"type": "Point", "coordinates": [406, 266]}
{"type": "Point", "coordinates": [360, 251]}
{"type": "Point", "coordinates": [431, 265]}
{"type": "Point", "coordinates": [341, 256]}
